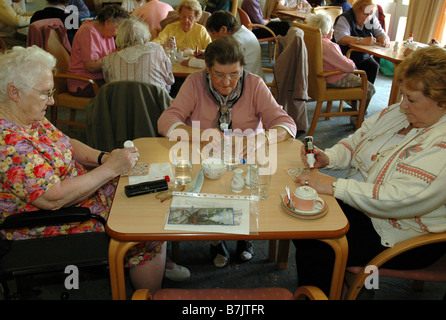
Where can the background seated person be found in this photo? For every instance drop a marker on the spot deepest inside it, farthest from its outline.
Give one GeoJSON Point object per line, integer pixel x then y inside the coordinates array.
{"type": "Point", "coordinates": [152, 13]}
{"type": "Point", "coordinates": [395, 187]}
{"type": "Point", "coordinates": [137, 58]}
{"type": "Point", "coordinates": [131, 5]}
{"type": "Point", "coordinates": [56, 9]}
{"type": "Point", "coordinates": [13, 17]}
{"type": "Point", "coordinates": [223, 23]}
{"type": "Point", "coordinates": [333, 59]}
{"type": "Point", "coordinates": [188, 34]}
{"type": "Point", "coordinates": [344, 4]}
{"type": "Point", "coordinates": [93, 41]}
{"type": "Point", "coordinates": [82, 8]}
{"type": "Point", "coordinates": [42, 168]}
{"type": "Point", "coordinates": [359, 25]}
{"type": "Point", "coordinates": [225, 93]}
{"type": "Point", "coordinates": [252, 8]}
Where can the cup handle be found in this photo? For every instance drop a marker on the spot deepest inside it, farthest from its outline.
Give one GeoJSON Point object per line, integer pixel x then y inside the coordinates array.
{"type": "Point", "coordinates": [321, 201]}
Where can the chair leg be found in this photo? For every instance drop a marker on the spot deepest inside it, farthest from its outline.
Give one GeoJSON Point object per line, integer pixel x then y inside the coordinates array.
{"type": "Point", "coordinates": [283, 254]}
{"type": "Point", "coordinates": [272, 251]}
{"type": "Point", "coordinates": [328, 110]}
{"type": "Point", "coordinates": [341, 106]}
{"type": "Point", "coordinates": [175, 251]}
{"type": "Point", "coordinates": [269, 51]}
{"type": "Point", "coordinates": [316, 117]}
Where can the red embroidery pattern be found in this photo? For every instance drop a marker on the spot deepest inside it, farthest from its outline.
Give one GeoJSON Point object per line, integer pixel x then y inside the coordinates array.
{"type": "Point", "coordinates": [347, 146]}
{"type": "Point", "coordinates": [410, 150]}
{"type": "Point", "coordinates": [416, 172]}
{"type": "Point", "coordinates": [384, 112]}
{"type": "Point", "coordinates": [422, 225]}
{"type": "Point", "coordinates": [441, 144]}
{"type": "Point", "coordinates": [380, 177]}
{"type": "Point", "coordinates": [394, 223]}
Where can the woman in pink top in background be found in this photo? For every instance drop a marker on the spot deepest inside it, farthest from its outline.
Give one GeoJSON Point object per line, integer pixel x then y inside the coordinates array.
{"type": "Point", "coordinates": [224, 93]}
{"type": "Point", "coordinates": [93, 41]}
{"type": "Point", "coordinates": [334, 60]}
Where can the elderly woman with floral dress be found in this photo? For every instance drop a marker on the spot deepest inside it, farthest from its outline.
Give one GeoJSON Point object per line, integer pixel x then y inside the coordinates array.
{"type": "Point", "coordinates": [42, 168]}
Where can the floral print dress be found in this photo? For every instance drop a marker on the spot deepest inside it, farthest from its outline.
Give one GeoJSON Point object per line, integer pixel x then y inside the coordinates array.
{"type": "Point", "coordinates": [31, 162]}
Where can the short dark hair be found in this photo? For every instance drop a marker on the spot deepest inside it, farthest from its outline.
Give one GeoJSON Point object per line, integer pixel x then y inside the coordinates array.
{"type": "Point", "coordinates": [113, 12]}
{"type": "Point", "coordinates": [224, 50]}
{"type": "Point", "coordinates": [220, 19]}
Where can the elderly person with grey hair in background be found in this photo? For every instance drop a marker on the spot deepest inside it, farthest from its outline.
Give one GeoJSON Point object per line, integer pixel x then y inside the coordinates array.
{"type": "Point", "coordinates": [137, 58]}
{"type": "Point", "coordinates": [334, 60]}
{"type": "Point", "coordinates": [42, 168]}
{"type": "Point", "coordinates": [188, 34]}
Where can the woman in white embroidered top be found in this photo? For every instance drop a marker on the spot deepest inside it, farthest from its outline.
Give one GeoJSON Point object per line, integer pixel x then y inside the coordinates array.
{"type": "Point", "coordinates": [137, 58]}
{"type": "Point", "coordinates": [395, 186]}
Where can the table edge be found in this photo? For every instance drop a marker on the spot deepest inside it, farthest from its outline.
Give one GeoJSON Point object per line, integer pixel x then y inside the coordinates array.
{"type": "Point", "coordinates": [183, 236]}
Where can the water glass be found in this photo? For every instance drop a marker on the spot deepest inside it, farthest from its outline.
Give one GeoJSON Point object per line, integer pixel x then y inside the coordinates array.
{"type": "Point", "coordinates": [182, 172]}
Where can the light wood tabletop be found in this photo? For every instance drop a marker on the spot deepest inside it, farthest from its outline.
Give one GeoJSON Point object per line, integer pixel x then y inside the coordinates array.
{"type": "Point", "coordinates": [394, 56]}
{"type": "Point", "coordinates": [142, 218]}
{"type": "Point", "coordinates": [294, 14]}
{"type": "Point", "coordinates": [181, 71]}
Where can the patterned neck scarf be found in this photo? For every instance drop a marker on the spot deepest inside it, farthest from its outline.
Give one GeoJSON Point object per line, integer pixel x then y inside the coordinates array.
{"type": "Point", "coordinates": [227, 102]}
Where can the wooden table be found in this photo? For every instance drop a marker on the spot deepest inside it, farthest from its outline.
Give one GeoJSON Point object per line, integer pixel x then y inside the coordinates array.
{"type": "Point", "coordinates": [293, 14]}
{"type": "Point", "coordinates": [396, 57]}
{"type": "Point", "coordinates": [182, 71]}
{"type": "Point", "coordinates": [142, 218]}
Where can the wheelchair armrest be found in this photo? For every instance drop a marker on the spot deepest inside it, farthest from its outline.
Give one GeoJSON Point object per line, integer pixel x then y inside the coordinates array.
{"type": "Point", "coordinates": [49, 217]}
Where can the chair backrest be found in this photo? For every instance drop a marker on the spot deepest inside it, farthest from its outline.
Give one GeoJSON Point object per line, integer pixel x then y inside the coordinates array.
{"type": "Point", "coordinates": [332, 11]}
{"type": "Point", "coordinates": [313, 42]}
{"type": "Point", "coordinates": [234, 7]}
{"type": "Point", "coordinates": [244, 18]}
{"type": "Point", "coordinates": [2, 45]}
{"type": "Point", "coordinates": [124, 110]}
{"type": "Point", "coordinates": [55, 47]}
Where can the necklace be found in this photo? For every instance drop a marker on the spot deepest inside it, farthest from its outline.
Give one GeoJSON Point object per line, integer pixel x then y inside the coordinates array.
{"type": "Point", "coordinates": [378, 154]}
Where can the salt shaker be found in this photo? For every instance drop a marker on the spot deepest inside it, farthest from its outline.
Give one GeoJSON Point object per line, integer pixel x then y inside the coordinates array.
{"type": "Point", "coordinates": [237, 182]}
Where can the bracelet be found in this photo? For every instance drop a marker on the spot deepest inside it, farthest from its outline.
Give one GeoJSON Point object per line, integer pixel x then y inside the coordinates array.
{"type": "Point", "coordinates": [100, 157]}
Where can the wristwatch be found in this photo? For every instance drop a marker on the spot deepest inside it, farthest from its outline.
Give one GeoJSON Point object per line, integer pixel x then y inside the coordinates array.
{"type": "Point", "coordinates": [333, 185]}
{"type": "Point", "coordinates": [358, 39]}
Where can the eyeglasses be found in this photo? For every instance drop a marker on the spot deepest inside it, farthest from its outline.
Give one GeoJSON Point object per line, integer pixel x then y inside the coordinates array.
{"type": "Point", "coordinates": [188, 18]}
{"type": "Point", "coordinates": [221, 76]}
{"type": "Point", "coordinates": [47, 94]}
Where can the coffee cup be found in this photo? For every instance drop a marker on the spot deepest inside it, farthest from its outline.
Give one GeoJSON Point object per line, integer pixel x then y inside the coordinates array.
{"type": "Point", "coordinates": [305, 198]}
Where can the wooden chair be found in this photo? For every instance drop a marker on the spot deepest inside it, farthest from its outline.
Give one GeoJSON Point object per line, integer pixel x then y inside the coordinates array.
{"type": "Point", "coordinates": [2, 45]}
{"type": "Point", "coordinates": [301, 293]}
{"type": "Point", "coordinates": [62, 98]}
{"type": "Point", "coordinates": [234, 6]}
{"type": "Point", "coordinates": [246, 21]}
{"type": "Point", "coordinates": [317, 86]}
{"type": "Point", "coordinates": [332, 11]}
{"type": "Point", "coordinates": [356, 276]}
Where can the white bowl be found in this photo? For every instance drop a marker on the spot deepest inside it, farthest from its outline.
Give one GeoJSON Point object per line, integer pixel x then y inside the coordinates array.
{"type": "Point", "coordinates": [213, 168]}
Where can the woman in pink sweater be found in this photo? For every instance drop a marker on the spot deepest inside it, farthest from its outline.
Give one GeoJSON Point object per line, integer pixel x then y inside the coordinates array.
{"type": "Point", "coordinates": [334, 60]}
{"type": "Point", "coordinates": [226, 94]}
